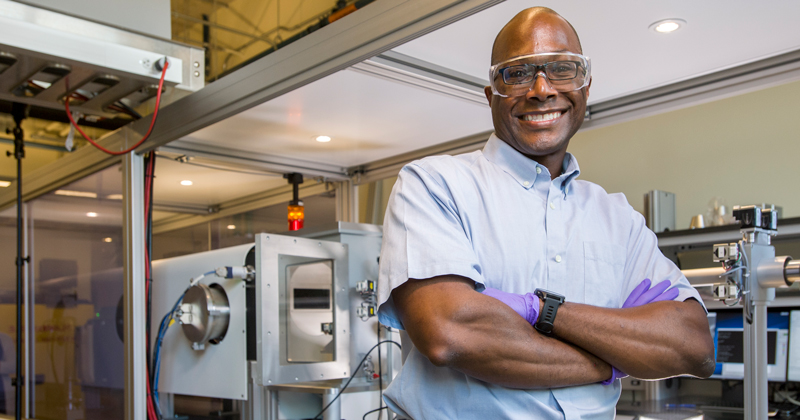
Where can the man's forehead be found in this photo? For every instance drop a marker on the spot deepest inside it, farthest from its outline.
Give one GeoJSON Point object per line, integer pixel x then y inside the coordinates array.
{"type": "Point", "coordinates": [532, 32]}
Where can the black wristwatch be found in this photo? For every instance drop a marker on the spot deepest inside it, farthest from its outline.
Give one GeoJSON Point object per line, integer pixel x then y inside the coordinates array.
{"type": "Point", "coordinates": [551, 303]}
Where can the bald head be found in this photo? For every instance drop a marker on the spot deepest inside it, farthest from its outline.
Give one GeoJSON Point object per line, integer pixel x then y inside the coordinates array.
{"type": "Point", "coordinates": [521, 30]}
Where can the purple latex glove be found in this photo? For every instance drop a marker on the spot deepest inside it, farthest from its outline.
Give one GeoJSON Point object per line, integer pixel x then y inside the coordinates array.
{"type": "Point", "coordinates": [527, 305]}
{"type": "Point", "coordinates": [643, 295]}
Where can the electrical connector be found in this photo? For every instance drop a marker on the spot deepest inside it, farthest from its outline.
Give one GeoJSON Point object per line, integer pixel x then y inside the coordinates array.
{"type": "Point", "coordinates": [726, 291]}
{"type": "Point", "coordinates": [159, 64]}
{"type": "Point", "coordinates": [726, 252]}
{"type": "Point", "coordinates": [365, 287]}
{"type": "Point", "coordinates": [366, 311]}
{"type": "Point", "coordinates": [238, 272]}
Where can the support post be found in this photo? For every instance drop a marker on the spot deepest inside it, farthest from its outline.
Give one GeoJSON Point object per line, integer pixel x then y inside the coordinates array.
{"type": "Point", "coordinates": [134, 296]}
{"type": "Point", "coordinates": [758, 250]}
{"type": "Point", "coordinates": [334, 412]}
{"type": "Point", "coordinates": [18, 112]}
{"type": "Point", "coordinates": [346, 202]}
{"type": "Point", "coordinates": [28, 320]}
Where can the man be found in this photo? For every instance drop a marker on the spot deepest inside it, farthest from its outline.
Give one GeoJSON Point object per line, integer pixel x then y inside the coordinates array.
{"type": "Point", "coordinates": [467, 239]}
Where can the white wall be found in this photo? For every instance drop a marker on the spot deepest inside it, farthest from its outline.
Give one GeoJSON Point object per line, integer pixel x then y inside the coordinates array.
{"type": "Point", "coordinates": [151, 17]}
{"type": "Point", "coordinates": [745, 149]}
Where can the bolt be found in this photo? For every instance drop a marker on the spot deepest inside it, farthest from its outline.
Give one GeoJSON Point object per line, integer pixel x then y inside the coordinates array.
{"type": "Point", "coordinates": [196, 64]}
{"type": "Point", "coordinates": [197, 74]}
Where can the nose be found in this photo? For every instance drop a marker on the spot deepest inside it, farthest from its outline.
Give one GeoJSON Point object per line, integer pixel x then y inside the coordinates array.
{"type": "Point", "coordinates": [541, 88]}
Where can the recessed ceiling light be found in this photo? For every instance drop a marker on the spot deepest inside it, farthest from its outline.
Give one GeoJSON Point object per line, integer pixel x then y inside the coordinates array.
{"type": "Point", "coordinates": [666, 26]}
{"type": "Point", "coordinates": [84, 194]}
{"type": "Point", "coordinates": [4, 184]}
{"type": "Point", "coordinates": [91, 214]}
{"type": "Point", "coordinates": [114, 196]}
{"type": "Point", "coordinates": [186, 182]}
{"type": "Point", "coordinates": [107, 240]}
{"type": "Point", "coordinates": [323, 139]}
{"type": "Point", "coordinates": [231, 227]}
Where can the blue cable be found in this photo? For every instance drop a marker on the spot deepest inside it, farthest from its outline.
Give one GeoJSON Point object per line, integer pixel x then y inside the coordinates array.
{"type": "Point", "coordinates": [162, 330]}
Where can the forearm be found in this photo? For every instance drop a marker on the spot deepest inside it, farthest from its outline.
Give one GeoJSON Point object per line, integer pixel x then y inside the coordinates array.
{"type": "Point", "coordinates": [509, 352]}
{"type": "Point", "coordinates": [483, 338]}
{"type": "Point", "coordinates": [652, 341]}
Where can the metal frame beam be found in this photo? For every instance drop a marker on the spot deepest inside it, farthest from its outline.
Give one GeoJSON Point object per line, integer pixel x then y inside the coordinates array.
{"type": "Point", "coordinates": [722, 84]}
{"type": "Point", "coordinates": [411, 71]}
{"type": "Point", "coordinates": [134, 284]}
{"type": "Point", "coordinates": [346, 202]}
{"type": "Point", "coordinates": [389, 167]}
{"type": "Point", "coordinates": [240, 160]}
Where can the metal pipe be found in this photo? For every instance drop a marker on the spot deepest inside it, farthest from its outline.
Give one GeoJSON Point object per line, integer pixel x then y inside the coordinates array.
{"type": "Point", "coordinates": [791, 272]}
{"type": "Point", "coordinates": [771, 273]}
{"type": "Point", "coordinates": [334, 411]}
{"type": "Point", "coordinates": [28, 377]}
{"type": "Point", "coordinates": [704, 276]}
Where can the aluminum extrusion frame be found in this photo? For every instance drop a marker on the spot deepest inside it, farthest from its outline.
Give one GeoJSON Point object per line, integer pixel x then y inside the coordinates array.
{"type": "Point", "coordinates": [135, 390]}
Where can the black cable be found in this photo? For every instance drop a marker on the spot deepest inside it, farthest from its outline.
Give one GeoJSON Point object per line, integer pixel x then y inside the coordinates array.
{"type": "Point", "coordinates": [372, 411]}
{"type": "Point", "coordinates": [380, 373]}
{"type": "Point", "coordinates": [148, 312]}
{"type": "Point", "coordinates": [149, 164]}
{"type": "Point", "coordinates": [355, 372]}
{"type": "Point", "coordinates": [128, 110]}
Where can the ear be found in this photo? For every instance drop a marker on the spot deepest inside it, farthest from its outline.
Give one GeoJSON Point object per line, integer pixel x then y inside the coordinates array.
{"type": "Point", "coordinates": [487, 90]}
{"type": "Point", "coordinates": [587, 87]}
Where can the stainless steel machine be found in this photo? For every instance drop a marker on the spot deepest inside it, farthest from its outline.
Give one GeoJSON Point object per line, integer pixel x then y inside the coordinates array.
{"type": "Point", "coordinates": [749, 274]}
{"type": "Point", "coordinates": [284, 313]}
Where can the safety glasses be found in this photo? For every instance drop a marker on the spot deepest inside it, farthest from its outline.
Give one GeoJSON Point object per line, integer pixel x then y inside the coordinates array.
{"type": "Point", "coordinates": [565, 72]}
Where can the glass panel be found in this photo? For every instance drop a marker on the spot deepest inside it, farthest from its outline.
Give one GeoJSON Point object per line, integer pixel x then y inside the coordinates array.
{"type": "Point", "coordinates": [8, 308]}
{"type": "Point", "coordinates": [240, 229]}
{"type": "Point", "coordinates": [77, 265]}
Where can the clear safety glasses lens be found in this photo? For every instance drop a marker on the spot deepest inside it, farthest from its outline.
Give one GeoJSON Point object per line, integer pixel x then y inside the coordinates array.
{"type": "Point", "coordinates": [564, 72]}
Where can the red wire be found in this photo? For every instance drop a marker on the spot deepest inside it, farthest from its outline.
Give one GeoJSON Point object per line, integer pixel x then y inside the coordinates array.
{"type": "Point", "coordinates": [152, 121]}
{"type": "Point", "coordinates": [151, 411]}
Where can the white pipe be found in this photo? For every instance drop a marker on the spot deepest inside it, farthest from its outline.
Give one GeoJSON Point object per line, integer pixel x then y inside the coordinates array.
{"type": "Point", "coordinates": [704, 276]}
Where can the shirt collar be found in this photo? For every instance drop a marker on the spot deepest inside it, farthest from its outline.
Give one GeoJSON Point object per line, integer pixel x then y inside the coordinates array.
{"type": "Point", "coordinates": [523, 169]}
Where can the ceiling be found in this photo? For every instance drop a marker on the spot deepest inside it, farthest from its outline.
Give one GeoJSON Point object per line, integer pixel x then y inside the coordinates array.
{"type": "Point", "coordinates": [372, 118]}
{"type": "Point", "coordinates": [627, 56]}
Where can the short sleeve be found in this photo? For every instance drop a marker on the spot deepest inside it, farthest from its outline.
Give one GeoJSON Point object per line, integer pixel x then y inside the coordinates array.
{"type": "Point", "coordinates": [423, 237]}
{"type": "Point", "coordinates": [646, 261]}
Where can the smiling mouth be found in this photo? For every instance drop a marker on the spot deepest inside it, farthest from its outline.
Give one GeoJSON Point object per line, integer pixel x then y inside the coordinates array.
{"type": "Point", "coordinates": [541, 117]}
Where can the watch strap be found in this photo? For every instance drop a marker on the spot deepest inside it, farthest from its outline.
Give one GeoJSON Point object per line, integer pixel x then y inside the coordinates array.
{"type": "Point", "coordinates": [549, 310]}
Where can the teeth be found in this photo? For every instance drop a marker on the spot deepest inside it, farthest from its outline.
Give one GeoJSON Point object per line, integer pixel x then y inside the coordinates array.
{"type": "Point", "coordinates": [541, 117]}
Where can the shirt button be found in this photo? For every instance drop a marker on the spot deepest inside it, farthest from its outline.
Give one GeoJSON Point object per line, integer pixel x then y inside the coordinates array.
{"type": "Point", "coordinates": [538, 170]}
{"type": "Point", "coordinates": [526, 183]}
{"type": "Point", "coordinates": [552, 206]}
{"type": "Point", "coordinates": [558, 258]}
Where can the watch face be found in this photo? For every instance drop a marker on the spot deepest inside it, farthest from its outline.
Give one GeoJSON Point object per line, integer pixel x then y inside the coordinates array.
{"type": "Point", "coordinates": [544, 327]}
{"type": "Point", "coordinates": [546, 294]}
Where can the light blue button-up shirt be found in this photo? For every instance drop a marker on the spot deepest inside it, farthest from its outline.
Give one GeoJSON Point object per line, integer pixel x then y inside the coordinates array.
{"type": "Point", "coordinates": [495, 216]}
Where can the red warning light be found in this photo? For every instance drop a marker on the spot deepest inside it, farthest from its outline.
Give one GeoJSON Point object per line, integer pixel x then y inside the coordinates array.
{"type": "Point", "coordinates": [296, 217]}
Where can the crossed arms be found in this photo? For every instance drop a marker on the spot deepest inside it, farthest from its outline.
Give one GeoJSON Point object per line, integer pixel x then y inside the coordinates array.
{"type": "Point", "coordinates": [455, 326]}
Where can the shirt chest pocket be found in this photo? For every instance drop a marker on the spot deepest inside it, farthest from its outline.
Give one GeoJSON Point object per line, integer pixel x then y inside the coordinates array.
{"type": "Point", "coordinates": [603, 268]}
